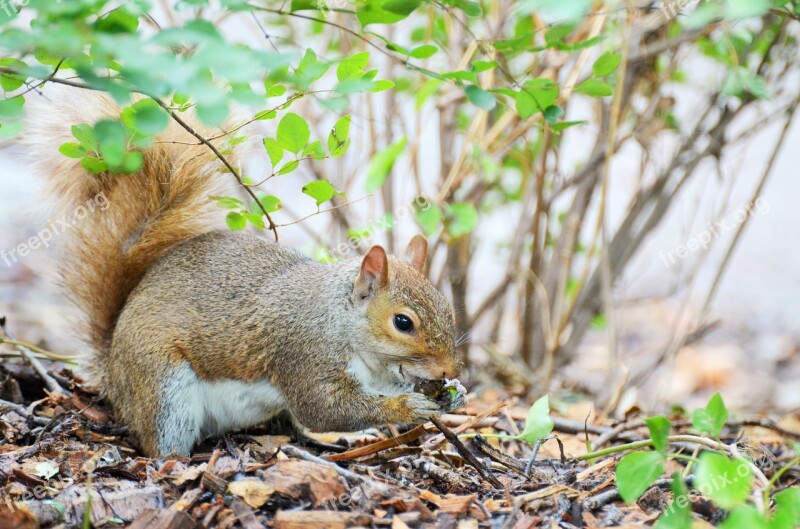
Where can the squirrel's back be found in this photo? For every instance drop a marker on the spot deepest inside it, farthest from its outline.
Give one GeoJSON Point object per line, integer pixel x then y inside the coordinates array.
{"type": "Point", "coordinates": [222, 291]}
{"type": "Point", "coordinates": [163, 204]}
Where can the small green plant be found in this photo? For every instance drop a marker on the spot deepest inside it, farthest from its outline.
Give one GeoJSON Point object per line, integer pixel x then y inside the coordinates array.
{"type": "Point", "coordinates": [722, 476]}
{"type": "Point", "coordinates": [538, 424]}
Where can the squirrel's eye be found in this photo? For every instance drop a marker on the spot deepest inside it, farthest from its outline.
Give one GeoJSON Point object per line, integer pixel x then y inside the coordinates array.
{"type": "Point", "coordinates": [403, 323]}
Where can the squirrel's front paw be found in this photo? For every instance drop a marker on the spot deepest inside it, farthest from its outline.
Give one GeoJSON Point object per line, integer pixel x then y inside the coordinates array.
{"type": "Point", "coordinates": [416, 408]}
{"type": "Point", "coordinates": [448, 394]}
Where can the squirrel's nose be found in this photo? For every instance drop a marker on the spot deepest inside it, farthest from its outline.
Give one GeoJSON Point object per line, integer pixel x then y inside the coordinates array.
{"type": "Point", "coordinates": [450, 371]}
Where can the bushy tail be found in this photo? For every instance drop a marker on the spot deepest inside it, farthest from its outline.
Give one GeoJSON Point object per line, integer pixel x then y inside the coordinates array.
{"type": "Point", "coordinates": [137, 217]}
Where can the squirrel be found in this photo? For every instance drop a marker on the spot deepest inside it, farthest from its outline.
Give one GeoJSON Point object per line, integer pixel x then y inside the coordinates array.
{"type": "Point", "coordinates": [195, 331]}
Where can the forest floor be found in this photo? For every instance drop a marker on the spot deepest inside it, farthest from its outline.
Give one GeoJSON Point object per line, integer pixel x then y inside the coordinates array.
{"type": "Point", "coordinates": [64, 462]}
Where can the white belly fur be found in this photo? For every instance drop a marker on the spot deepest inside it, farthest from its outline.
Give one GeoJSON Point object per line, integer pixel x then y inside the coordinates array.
{"type": "Point", "coordinates": [226, 405]}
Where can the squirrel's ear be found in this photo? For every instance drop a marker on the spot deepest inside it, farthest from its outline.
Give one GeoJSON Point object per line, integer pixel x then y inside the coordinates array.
{"type": "Point", "coordinates": [416, 252]}
{"type": "Point", "coordinates": [374, 273]}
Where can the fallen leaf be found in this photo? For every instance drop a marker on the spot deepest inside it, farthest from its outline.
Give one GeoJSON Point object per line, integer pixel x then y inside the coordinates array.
{"type": "Point", "coordinates": [397, 523]}
{"type": "Point", "coordinates": [46, 469]}
{"type": "Point", "coordinates": [294, 478]}
{"type": "Point", "coordinates": [457, 505]}
{"type": "Point", "coordinates": [184, 475]}
{"type": "Point", "coordinates": [254, 492]}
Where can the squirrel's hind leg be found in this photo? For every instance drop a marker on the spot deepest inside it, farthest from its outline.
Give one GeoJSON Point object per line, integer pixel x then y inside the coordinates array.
{"type": "Point", "coordinates": [179, 419]}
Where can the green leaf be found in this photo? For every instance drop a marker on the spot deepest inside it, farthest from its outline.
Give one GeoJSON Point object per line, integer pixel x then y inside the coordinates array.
{"type": "Point", "coordinates": [146, 116]}
{"type": "Point", "coordinates": [428, 215]}
{"type": "Point", "coordinates": [84, 133]}
{"type": "Point", "coordinates": [724, 480]}
{"type": "Point", "coordinates": [338, 138]}
{"type": "Point", "coordinates": [599, 321]}
{"type": "Point", "coordinates": [423, 52]}
{"type": "Point", "coordinates": [309, 70]}
{"type": "Point", "coordinates": [113, 143]}
{"type": "Point", "coordinates": [380, 85]}
{"type": "Point", "coordinates": [471, 9]}
{"type": "Point", "coordinates": [544, 91]}
{"type": "Point", "coordinates": [271, 203]}
{"type": "Point", "coordinates": [94, 165]}
{"type": "Point", "coordinates": [745, 517]}
{"type": "Point", "coordinates": [131, 162]}
{"type": "Point", "coordinates": [288, 167]}
{"type": "Point", "coordinates": [237, 140]}
{"type": "Point", "coordinates": [659, 431]}
{"type": "Point", "coordinates": [321, 191]}
{"type": "Point", "coordinates": [382, 163]}
{"type": "Point", "coordinates": [463, 219]}
{"type": "Point", "coordinates": [480, 97]}
{"type": "Point", "coordinates": [538, 423]}
{"type": "Point", "coordinates": [119, 20]}
{"type": "Point", "coordinates": [10, 129]}
{"type": "Point", "coordinates": [352, 66]}
{"type": "Point", "coordinates": [265, 115]}
{"type": "Point", "coordinates": [353, 85]}
{"type": "Point", "coordinates": [526, 105]}
{"type": "Point", "coordinates": [594, 88]}
{"type": "Point", "coordinates": [213, 113]}
{"type": "Point", "coordinates": [274, 150]}
{"type": "Point", "coordinates": [482, 66]}
{"type": "Point", "coordinates": [236, 221]}
{"type": "Point", "coordinates": [677, 515]}
{"type": "Point", "coordinates": [10, 82]}
{"type": "Point", "coordinates": [787, 509]}
{"type": "Point", "coordinates": [430, 87]}
{"type": "Point", "coordinates": [711, 419]}
{"type": "Point", "coordinates": [256, 219]}
{"type": "Point", "coordinates": [739, 9]}
{"type": "Point", "coordinates": [558, 127]}
{"type": "Point", "coordinates": [558, 32]}
{"type": "Point", "coordinates": [293, 132]}
{"type": "Point", "coordinates": [385, 11]}
{"type": "Point", "coordinates": [301, 5]}
{"type": "Point", "coordinates": [12, 107]}
{"type": "Point", "coordinates": [273, 90]}
{"type": "Point", "coordinates": [72, 150]}
{"type": "Point", "coordinates": [536, 95]}
{"type": "Point", "coordinates": [228, 202]}
{"type": "Point", "coordinates": [606, 63]}
{"type": "Point", "coordinates": [552, 113]}
{"type": "Point", "coordinates": [636, 472]}
{"type": "Point", "coordinates": [314, 150]}
{"type": "Point", "coordinates": [462, 75]}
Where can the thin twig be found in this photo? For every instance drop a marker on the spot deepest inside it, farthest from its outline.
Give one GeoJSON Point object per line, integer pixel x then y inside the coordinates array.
{"type": "Point", "coordinates": [37, 366]}
{"type": "Point", "coordinates": [292, 451]}
{"type": "Point", "coordinates": [465, 453]}
{"type": "Point", "coordinates": [188, 128]}
{"type": "Point", "coordinates": [21, 410]}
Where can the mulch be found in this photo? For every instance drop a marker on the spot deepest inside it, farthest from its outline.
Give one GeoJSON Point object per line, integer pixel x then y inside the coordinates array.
{"type": "Point", "coordinates": [65, 463]}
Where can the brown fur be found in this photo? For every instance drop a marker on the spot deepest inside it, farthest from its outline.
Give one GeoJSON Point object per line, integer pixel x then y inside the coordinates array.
{"type": "Point", "coordinates": [150, 211]}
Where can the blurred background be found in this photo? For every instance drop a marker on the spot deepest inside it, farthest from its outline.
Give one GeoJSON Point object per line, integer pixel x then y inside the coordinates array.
{"type": "Point", "coordinates": [645, 256]}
